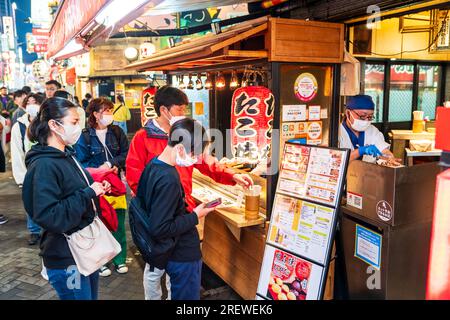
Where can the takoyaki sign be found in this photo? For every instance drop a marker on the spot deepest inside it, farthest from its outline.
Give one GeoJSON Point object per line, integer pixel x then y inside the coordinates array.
{"type": "Point", "coordinates": [147, 106]}
{"type": "Point", "coordinates": [251, 123]}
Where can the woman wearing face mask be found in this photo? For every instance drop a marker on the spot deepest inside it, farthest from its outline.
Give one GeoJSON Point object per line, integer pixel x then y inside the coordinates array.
{"type": "Point", "coordinates": [104, 145]}
{"type": "Point", "coordinates": [20, 145]}
{"type": "Point", "coordinates": [358, 134]}
{"type": "Point", "coordinates": [57, 196]}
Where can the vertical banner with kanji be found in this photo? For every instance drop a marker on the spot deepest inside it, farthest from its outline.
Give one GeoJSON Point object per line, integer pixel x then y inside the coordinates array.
{"type": "Point", "coordinates": [147, 106]}
{"type": "Point", "coordinates": [251, 123]}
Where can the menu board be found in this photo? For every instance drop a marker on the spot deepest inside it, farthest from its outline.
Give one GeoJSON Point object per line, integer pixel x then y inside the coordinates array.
{"type": "Point", "coordinates": [312, 173]}
{"type": "Point", "coordinates": [288, 277]}
{"type": "Point", "coordinates": [301, 226]}
{"type": "Point", "coordinates": [303, 221]}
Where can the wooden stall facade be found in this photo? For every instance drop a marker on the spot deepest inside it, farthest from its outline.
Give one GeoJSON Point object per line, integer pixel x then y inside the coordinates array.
{"type": "Point", "coordinates": [236, 256]}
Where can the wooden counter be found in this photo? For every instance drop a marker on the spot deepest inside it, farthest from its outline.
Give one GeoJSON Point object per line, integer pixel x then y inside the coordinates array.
{"type": "Point", "coordinates": [400, 137]}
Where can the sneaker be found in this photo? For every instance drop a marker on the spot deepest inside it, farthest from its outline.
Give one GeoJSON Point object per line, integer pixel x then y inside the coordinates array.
{"type": "Point", "coordinates": [34, 239]}
{"type": "Point", "coordinates": [104, 271]}
{"type": "Point", "coordinates": [3, 219]}
{"type": "Point", "coordinates": [122, 269]}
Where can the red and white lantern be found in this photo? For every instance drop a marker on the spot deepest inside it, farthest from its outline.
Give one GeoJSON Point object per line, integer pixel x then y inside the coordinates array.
{"type": "Point", "coordinates": [251, 123]}
{"type": "Point", "coordinates": [147, 105]}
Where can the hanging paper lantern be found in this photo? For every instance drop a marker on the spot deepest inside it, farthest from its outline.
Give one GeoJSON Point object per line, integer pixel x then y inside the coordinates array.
{"type": "Point", "coordinates": [147, 105]}
{"type": "Point", "coordinates": [251, 123]}
{"type": "Point", "coordinates": [146, 49]}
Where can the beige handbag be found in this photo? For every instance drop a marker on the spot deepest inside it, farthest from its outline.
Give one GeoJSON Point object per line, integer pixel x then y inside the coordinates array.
{"type": "Point", "coordinates": [94, 245]}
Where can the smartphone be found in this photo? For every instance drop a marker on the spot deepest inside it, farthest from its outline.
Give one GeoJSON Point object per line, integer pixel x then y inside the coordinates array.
{"type": "Point", "coordinates": [213, 203]}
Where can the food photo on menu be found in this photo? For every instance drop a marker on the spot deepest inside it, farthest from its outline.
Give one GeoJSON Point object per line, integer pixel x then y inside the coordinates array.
{"type": "Point", "coordinates": [289, 277]}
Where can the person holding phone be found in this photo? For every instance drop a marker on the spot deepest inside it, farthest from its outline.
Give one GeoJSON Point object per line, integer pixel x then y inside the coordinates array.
{"type": "Point", "coordinates": [173, 229]}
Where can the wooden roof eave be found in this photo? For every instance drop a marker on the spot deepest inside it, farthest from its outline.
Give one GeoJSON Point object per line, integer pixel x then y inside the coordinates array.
{"type": "Point", "coordinates": [205, 48]}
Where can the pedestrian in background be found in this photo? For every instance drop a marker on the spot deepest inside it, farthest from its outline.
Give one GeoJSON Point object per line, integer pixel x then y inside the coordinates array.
{"type": "Point", "coordinates": [121, 114]}
{"type": "Point", "coordinates": [20, 145]}
{"type": "Point", "coordinates": [57, 197]}
{"type": "Point", "coordinates": [104, 145]}
{"type": "Point", "coordinates": [19, 97]}
{"type": "Point", "coordinates": [51, 87]}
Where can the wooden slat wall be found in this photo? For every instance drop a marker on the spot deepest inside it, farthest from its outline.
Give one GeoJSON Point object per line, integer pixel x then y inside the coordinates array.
{"type": "Point", "coordinates": [237, 263]}
{"type": "Point", "coordinates": [305, 41]}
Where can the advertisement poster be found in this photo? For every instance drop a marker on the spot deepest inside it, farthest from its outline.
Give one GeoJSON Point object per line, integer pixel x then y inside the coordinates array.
{"type": "Point", "coordinates": [314, 133]}
{"type": "Point", "coordinates": [287, 277]}
{"type": "Point", "coordinates": [301, 227]}
{"type": "Point", "coordinates": [312, 173]}
{"type": "Point", "coordinates": [368, 246]}
{"type": "Point", "coordinates": [306, 87]}
{"type": "Point", "coordinates": [293, 113]}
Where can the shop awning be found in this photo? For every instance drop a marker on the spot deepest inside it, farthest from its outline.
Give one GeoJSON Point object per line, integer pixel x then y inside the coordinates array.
{"type": "Point", "coordinates": [79, 23]}
{"type": "Point", "coordinates": [208, 50]}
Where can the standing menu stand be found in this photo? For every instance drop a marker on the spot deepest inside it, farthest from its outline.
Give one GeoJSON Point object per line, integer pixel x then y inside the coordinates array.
{"type": "Point", "coordinates": [303, 223]}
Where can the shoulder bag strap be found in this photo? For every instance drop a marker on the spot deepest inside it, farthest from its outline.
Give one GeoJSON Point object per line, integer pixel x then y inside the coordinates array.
{"type": "Point", "coordinates": [87, 181]}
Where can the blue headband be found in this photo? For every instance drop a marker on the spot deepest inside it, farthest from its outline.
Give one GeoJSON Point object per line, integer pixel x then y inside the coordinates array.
{"type": "Point", "coordinates": [360, 102]}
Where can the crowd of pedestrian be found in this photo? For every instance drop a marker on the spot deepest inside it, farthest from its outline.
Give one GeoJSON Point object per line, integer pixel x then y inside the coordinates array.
{"type": "Point", "coordinates": [73, 171]}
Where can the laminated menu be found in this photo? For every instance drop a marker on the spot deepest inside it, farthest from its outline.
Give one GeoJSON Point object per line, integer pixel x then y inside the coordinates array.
{"type": "Point", "coordinates": [311, 172]}
{"type": "Point", "coordinates": [301, 227]}
{"type": "Point", "coordinates": [287, 277]}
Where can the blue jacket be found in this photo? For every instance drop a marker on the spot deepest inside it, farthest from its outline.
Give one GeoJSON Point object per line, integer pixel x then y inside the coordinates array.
{"type": "Point", "coordinates": [92, 154]}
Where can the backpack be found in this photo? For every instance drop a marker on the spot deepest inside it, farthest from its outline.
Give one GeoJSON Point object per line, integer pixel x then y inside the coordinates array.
{"type": "Point", "coordinates": [139, 222]}
{"type": "Point", "coordinates": [156, 254]}
{"type": "Point", "coordinates": [23, 131]}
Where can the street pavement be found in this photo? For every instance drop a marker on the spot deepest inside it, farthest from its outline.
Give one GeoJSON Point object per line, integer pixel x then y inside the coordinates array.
{"type": "Point", "coordinates": [20, 264]}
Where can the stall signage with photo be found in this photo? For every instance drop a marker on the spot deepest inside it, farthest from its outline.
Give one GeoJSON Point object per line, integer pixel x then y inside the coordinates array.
{"type": "Point", "coordinates": [368, 246]}
{"type": "Point", "coordinates": [305, 87]}
{"type": "Point", "coordinates": [285, 276]}
{"type": "Point", "coordinates": [311, 172]}
{"type": "Point", "coordinates": [251, 123]}
{"type": "Point", "coordinates": [147, 106]}
{"type": "Point", "coordinates": [302, 227]}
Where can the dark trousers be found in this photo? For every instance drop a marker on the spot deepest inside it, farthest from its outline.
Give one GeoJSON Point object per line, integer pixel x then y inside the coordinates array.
{"type": "Point", "coordinates": [185, 279]}
{"type": "Point", "coordinates": [2, 159]}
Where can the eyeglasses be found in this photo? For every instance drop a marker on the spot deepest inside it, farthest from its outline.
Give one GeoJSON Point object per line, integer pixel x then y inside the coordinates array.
{"type": "Point", "coordinates": [363, 117]}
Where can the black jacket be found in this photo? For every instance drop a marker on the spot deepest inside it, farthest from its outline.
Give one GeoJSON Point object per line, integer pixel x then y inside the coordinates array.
{"type": "Point", "coordinates": [172, 227]}
{"type": "Point", "coordinates": [57, 197]}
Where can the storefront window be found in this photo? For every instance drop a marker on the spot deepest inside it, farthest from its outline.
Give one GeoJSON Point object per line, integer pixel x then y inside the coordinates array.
{"type": "Point", "coordinates": [374, 87]}
{"type": "Point", "coordinates": [428, 90]}
{"type": "Point", "coordinates": [401, 93]}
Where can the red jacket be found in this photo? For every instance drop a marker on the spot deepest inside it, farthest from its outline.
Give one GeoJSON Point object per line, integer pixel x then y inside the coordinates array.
{"type": "Point", "coordinates": [149, 142]}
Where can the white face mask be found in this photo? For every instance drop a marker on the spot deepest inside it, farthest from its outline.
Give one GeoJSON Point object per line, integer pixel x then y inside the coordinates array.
{"type": "Point", "coordinates": [187, 161]}
{"type": "Point", "coordinates": [174, 119]}
{"type": "Point", "coordinates": [72, 133]}
{"type": "Point", "coordinates": [33, 110]}
{"type": "Point", "coordinates": [106, 119]}
{"type": "Point", "coordinates": [360, 125]}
